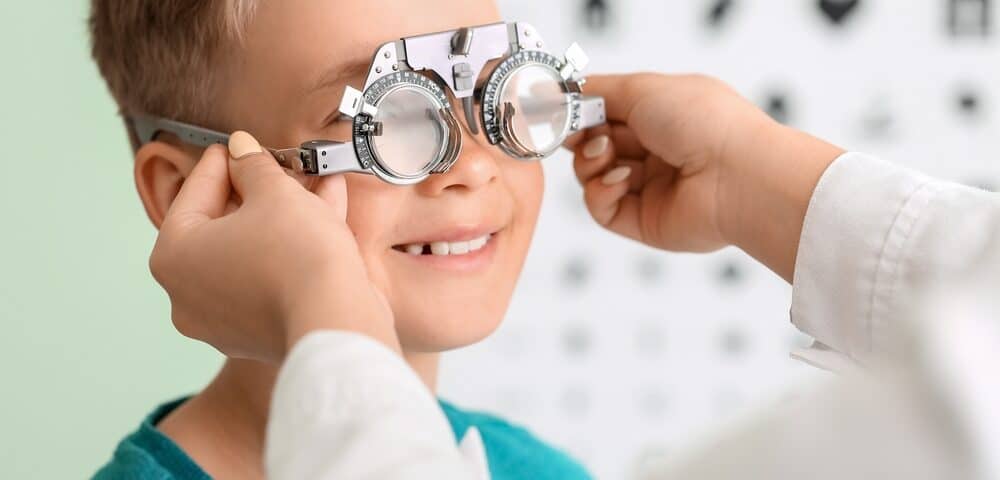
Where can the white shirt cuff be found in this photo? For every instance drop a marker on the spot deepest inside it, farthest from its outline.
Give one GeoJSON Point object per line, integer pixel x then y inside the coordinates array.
{"type": "Point", "coordinates": [345, 406]}
{"type": "Point", "coordinates": [857, 221]}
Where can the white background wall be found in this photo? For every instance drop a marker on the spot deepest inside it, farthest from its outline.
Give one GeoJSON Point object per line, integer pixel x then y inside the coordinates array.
{"type": "Point", "coordinates": [623, 354]}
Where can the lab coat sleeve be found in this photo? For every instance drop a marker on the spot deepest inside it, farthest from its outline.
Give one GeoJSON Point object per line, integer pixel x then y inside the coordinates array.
{"type": "Point", "coordinates": [875, 234]}
{"type": "Point", "coordinates": [345, 406]}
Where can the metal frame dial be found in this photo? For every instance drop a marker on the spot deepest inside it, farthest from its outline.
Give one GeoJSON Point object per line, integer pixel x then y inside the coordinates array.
{"type": "Point", "coordinates": [492, 114]}
{"type": "Point", "coordinates": [366, 128]}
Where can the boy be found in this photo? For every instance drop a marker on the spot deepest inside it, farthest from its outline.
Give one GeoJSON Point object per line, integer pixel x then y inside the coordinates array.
{"type": "Point", "coordinates": [277, 69]}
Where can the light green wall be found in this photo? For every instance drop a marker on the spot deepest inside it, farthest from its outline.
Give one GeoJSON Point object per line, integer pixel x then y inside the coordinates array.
{"type": "Point", "coordinates": [86, 345]}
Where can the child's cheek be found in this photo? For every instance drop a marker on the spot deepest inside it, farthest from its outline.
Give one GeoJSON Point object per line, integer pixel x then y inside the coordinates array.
{"type": "Point", "coordinates": [527, 182]}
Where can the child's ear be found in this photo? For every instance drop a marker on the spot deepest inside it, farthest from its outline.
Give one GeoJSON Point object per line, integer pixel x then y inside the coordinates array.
{"type": "Point", "coordinates": [160, 169]}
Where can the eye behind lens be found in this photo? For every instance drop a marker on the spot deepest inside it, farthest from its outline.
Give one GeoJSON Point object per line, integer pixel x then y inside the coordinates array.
{"type": "Point", "coordinates": [412, 139]}
{"type": "Point", "coordinates": [526, 105]}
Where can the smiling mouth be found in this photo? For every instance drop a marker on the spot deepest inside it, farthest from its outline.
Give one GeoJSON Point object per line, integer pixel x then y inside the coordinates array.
{"type": "Point", "coordinates": [443, 249]}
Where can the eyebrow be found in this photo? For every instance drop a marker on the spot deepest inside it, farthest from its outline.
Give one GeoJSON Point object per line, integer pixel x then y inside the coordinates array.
{"type": "Point", "coordinates": [339, 73]}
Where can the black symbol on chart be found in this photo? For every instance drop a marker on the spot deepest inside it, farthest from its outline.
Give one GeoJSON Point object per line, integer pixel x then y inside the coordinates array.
{"type": "Point", "coordinates": [877, 121]}
{"type": "Point", "coordinates": [576, 273]}
{"type": "Point", "coordinates": [968, 102]}
{"type": "Point", "coordinates": [718, 12]}
{"type": "Point", "coordinates": [838, 11]}
{"type": "Point", "coordinates": [596, 15]}
{"type": "Point", "coordinates": [733, 343]}
{"type": "Point", "coordinates": [649, 269]}
{"type": "Point", "coordinates": [776, 105]}
{"type": "Point", "coordinates": [731, 273]}
{"type": "Point", "coordinates": [970, 17]}
{"type": "Point", "coordinates": [577, 340]}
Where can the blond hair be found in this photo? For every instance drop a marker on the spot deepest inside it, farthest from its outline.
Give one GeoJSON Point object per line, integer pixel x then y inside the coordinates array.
{"type": "Point", "coordinates": [163, 57]}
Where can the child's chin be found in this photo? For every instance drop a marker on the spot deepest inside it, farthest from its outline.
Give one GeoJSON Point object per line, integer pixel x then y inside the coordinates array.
{"type": "Point", "coordinates": [444, 335]}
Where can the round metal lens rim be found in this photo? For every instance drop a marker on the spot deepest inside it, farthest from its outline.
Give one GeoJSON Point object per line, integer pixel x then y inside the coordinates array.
{"type": "Point", "coordinates": [373, 95]}
{"type": "Point", "coordinates": [423, 172]}
{"type": "Point", "coordinates": [490, 112]}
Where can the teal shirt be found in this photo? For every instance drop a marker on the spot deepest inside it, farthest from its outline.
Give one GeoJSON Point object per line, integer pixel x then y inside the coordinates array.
{"type": "Point", "coordinates": [512, 452]}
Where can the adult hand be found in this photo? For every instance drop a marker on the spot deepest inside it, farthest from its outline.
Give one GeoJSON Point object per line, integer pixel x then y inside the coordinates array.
{"type": "Point", "coordinates": [284, 263]}
{"type": "Point", "coordinates": [686, 164]}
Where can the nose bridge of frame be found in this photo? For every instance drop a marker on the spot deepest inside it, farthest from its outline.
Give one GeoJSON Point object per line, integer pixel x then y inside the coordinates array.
{"type": "Point", "coordinates": [458, 56]}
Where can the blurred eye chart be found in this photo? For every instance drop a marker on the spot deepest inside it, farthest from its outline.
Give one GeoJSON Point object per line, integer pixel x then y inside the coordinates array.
{"type": "Point", "coordinates": [623, 355]}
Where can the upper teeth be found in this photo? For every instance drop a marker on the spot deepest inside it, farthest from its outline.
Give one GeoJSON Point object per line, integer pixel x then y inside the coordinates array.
{"type": "Point", "coordinates": [449, 248]}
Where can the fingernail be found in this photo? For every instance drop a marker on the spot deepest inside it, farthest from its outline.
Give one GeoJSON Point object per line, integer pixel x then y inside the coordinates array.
{"type": "Point", "coordinates": [617, 175]}
{"type": "Point", "coordinates": [595, 146]}
{"type": "Point", "coordinates": [242, 144]}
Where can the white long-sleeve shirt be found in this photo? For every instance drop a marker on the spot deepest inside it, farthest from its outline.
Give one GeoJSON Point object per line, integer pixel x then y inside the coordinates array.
{"type": "Point", "coordinates": [874, 234]}
{"type": "Point", "coordinates": [875, 238]}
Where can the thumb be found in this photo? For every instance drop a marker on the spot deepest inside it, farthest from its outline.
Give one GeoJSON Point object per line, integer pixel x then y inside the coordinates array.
{"type": "Point", "coordinates": [620, 93]}
{"type": "Point", "coordinates": [333, 190]}
{"type": "Point", "coordinates": [203, 195]}
{"type": "Point", "coordinates": [252, 169]}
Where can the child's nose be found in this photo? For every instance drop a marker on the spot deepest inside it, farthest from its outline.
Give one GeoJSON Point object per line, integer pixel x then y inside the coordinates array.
{"type": "Point", "coordinates": [475, 168]}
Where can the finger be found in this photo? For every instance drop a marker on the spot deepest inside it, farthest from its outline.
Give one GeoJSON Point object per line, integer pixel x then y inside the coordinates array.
{"type": "Point", "coordinates": [204, 193]}
{"type": "Point", "coordinates": [635, 179]}
{"type": "Point", "coordinates": [333, 191]}
{"type": "Point", "coordinates": [609, 202]}
{"type": "Point", "coordinates": [627, 142]}
{"type": "Point", "coordinates": [593, 157]}
{"type": "Point", "coordinates": [575, 139]}
{"type": "Point", "coordinates": [252, 169]}
{"type": "Point", "coordinates": [618, 100]}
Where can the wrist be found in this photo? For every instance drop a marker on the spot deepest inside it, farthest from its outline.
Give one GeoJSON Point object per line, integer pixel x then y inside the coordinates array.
{"type": "Point", "coordinates": [361, 310]}
{"type": "Point", "coordinates": [743, 170]}
{"type": "Point", "coordinates": [765, 184]}
{"type": "Point", "coordinates": [306, 321]}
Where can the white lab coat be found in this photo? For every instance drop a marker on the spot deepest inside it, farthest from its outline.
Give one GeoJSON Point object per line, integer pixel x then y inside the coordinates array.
{"type": "Point", "coordinates": [874, 235]}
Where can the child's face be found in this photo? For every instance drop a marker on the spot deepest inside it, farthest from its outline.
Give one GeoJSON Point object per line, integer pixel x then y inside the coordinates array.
{"type": "Point", "coordinates": [286, 88]}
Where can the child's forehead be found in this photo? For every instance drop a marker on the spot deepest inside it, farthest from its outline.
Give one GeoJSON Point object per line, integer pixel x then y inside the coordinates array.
{"type": "Point", "coordinates": [330, 42]}
{"type": "Point", "coordinates": [368, 24]}
{"type": "Point", "coordinates": [341, 72]}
